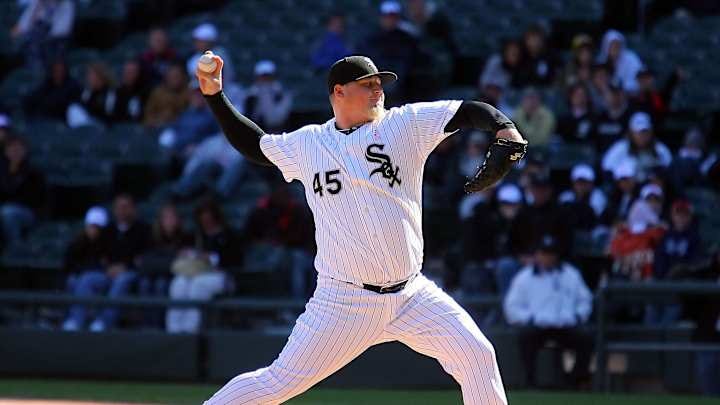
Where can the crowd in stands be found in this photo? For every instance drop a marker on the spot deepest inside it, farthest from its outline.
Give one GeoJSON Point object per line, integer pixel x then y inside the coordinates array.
{"type": "Point", "coordinates": [518, 240]}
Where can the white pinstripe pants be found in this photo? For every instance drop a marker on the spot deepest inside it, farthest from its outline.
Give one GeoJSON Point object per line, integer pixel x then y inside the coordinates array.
{"type": "Point", "coordinates": [342, 320]}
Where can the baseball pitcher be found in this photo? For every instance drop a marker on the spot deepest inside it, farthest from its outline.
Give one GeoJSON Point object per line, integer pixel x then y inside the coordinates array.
{"type": "Point", "coordinates": [362, 172]}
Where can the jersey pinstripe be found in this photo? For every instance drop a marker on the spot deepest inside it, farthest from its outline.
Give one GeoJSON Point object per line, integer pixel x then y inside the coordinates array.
{"type": "Point", "coordinates": [365, 189]}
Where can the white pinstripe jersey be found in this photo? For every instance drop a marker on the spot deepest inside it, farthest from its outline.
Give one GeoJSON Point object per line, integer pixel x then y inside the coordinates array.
{"type": "Point", "coordinates": [365, 189]}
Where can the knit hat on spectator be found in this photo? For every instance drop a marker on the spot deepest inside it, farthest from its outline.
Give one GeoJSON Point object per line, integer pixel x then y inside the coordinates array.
{"type": "Point", "coordinates": [509, 194]}
{"type": "Point", "coordinates": [264, 67]}
{"type": "Point", "coordinates": [650, 190]}
{"type": "Point", "coordinates": [390, 7]}
{"type": "Point", "coordinates": [640, 121]}
{"type": "Point", "coordinates": [96, 216]}
{"type": "Point", "coordinates": [582, 172]}
{"type": "Point", "coordinates": [205, 32]}
{"type": "Point", "coordinates": [625, 170]}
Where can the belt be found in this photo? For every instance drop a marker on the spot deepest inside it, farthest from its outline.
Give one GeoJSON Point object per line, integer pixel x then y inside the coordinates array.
{"type": "Point", "coordinates": [387, 289]}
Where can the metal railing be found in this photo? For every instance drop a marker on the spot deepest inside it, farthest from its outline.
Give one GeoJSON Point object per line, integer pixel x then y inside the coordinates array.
{"type": "Point", "coordinates": [627, 292]}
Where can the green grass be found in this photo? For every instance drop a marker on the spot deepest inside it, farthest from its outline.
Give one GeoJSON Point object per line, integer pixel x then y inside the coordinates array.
{"type": "Point", "coordinates": [179, 394]}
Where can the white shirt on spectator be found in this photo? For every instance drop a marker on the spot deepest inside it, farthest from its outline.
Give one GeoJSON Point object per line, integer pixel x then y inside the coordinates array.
{"type": "Point", "coordinates": [548, 299]}
{"type": "Point", "coordinates": [620, 152]}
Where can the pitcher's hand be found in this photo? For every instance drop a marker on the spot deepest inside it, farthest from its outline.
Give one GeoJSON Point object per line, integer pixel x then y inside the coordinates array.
{"type": "Point", "coordinates": [210, 82]}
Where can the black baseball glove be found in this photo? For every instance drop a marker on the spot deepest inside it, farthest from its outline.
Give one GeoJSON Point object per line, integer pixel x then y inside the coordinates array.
{"type": "Point", "coordinates": [500, 157]}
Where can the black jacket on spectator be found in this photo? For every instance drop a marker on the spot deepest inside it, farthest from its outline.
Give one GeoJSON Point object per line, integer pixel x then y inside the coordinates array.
{"type": "Point", "coordinates": [394, 50]}
{"type": "Point", "coordinates": [675, 248]}
{"type": "Point", "coordinates": [129, 103]}
{"type": "Point", "coordinates": [84, 253]}
{"type": "Point", "coordinates": [578, 129]}
{"type": "Point", "coordinates": [609, 129]}
{"type": "Point", "coordinates": [538, 220]}
{"type": "Point", "coordinates": [26, 186]}
{"type": "Point", "coordinates": [488, 236]}
{"type": "Point", "coordinates": [162, 250]}
{"type": "Point", "coordinates": [617, 208]}
{"type": "Point", "coordinates": [98, 103]}
{"type": "Point", "coordinates": [539, 70]}
{"type": "Point", "coordinates": [579, 214]}
{"type": "Point", "coordinates": [128, 245]}
{"type": "Point", "coordinates": [51, 101]}
{"type": "Point", "coordinates": [228, 244]}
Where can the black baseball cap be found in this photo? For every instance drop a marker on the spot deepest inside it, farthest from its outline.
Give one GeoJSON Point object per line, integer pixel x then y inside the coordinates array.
{"type": "Point", "coordinates": [352, 68]}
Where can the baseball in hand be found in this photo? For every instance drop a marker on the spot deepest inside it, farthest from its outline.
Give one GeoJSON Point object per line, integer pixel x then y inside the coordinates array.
{"type": "Point", "coordinates": [206, 63]}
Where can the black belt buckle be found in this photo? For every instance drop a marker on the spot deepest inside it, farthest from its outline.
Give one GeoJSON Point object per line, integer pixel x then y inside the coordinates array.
{"type": "Point", "coordinates": [387, 289]}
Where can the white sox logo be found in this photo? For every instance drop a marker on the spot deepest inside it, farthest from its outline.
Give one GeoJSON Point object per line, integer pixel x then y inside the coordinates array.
{"type": "Point", "coordinates": [386, 167]}
{"type": "Point", "coordinates": [516, 156]}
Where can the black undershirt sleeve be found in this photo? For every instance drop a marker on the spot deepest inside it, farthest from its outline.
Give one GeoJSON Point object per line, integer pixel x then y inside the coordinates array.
{"type": "Point", "coordinates": [478, 115]}
{"type": "Point", "coordinates": [243, 134]}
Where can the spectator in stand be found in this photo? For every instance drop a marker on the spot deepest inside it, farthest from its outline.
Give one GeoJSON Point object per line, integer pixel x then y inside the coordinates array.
{"type": "Point", "coordinates": [333, 45]}
{"type": "Point", "coordinates": [223, 245]}
{"type": "Point", "coordinates": [492, 92]}
{"type": "Point", "coordinates": [281, 221]}
{"type": "Point", "coordinates": [474, 153]}
{"type": "Point", "coordinates": [194, 125]}
{"type": "Point", "coordinates": [534, 119]}
{"type": "Point", "coordinates": [168, 100]}
{"type": "Point", "coordinates": [583, 203]}
{"type": "Point", "coordinates": [580, 67]}
{"type": "Point", "coordinates": [201, 272]}
{"type": "Point", "coordinates": [43, 30]}
{"type": "Point", "coordinates": [268, 102]}
{"type": "Point", "coordinates": [195, 278]}
{"type": "Point", "coordinates": [634, 242]}
{"type": "Point", "coordinates": [679, 246]}
{"type": "Point", "coordinates": [159, 55]}
{"type": "Point", "coordinates": [612, 121]}
{"type": "Point", "coordinates": [623, 62]}
{"type": "Point", "coordinates": [542, 215]}
{"type": "Point", "coordinates": [491, 242]}
{"type": "Point", "coordinates": [89, 250]}
{"type": "Point", "coordinates": [22, 190]}
{"type": "Point", "coordinates": [394, 49]}
{"type": "Point", "coordinates": [649, 98]}
{"type": "Point", "coordinates": [167, 240]}
{"type": "Point", "coordinates": [53, 97]}
{"type": "Point", "coordinates": [427, 21]}
{"type": "Point", "coordinates": [97, 98]}
{"type": "Point", "coordinates": [692, 161]}
{"type": "Point", "coordinates": [640, 146]}
{"type": "Point", "coordinates": [624, 191]}
{"type": "Point", "coordinates": [205, 38]}
{"type": "Point", "coordinates": [438, 50]}
{"type": "Point", "coordinates": [539, 62]}
{"type": "Point", "coordinates": [536, 165]}
{"type": "Point", "coordinates": [128, 239]}
{"type": "Point", "coordinates": [601, 84]}
{"type": "Point", "coordinates": [577, 126]}
{"type": "Point", "coordinates": [131, 95]}
{"type": "Point", "coordinates": [504, 69]}
{"type": "Point", "coordinates": [214, 166]}
{"type": "Point", "coordinates": [549, 300]}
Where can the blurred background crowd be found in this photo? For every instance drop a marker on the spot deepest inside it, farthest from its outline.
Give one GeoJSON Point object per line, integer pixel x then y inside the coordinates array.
{"type": "Point", "coordinates": [116, 181]}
